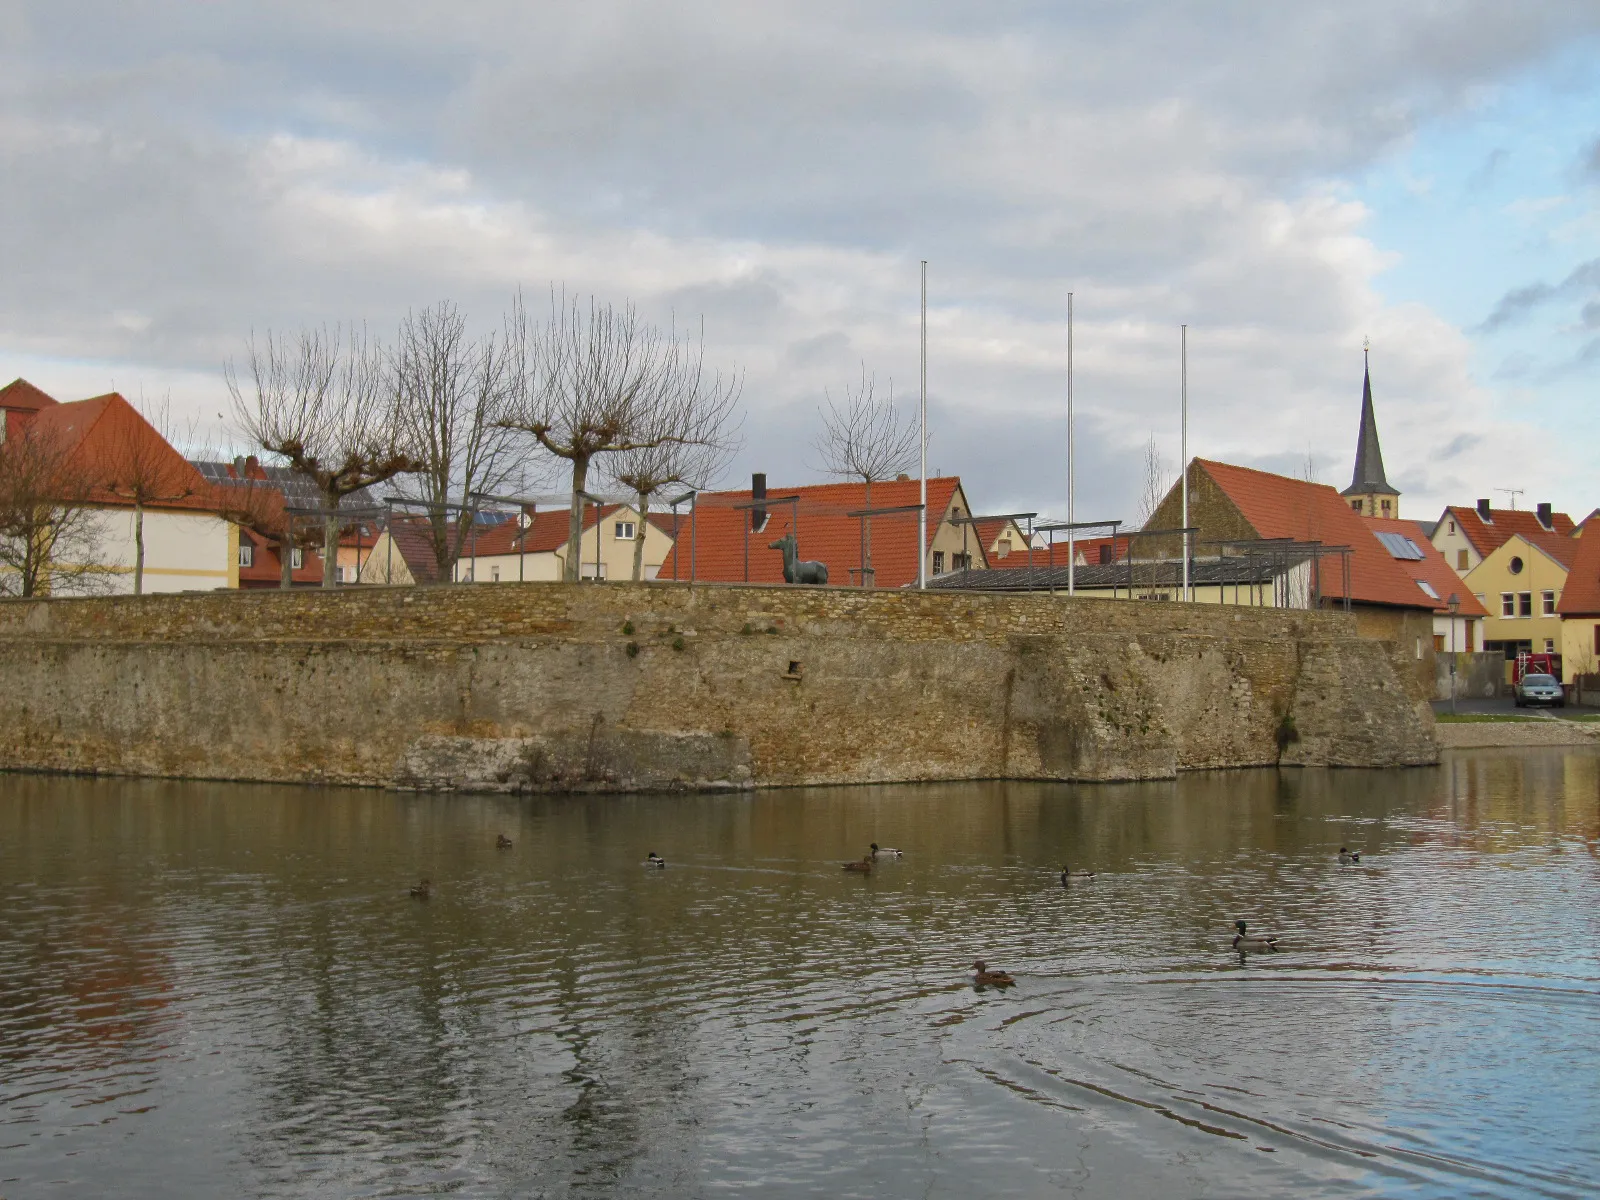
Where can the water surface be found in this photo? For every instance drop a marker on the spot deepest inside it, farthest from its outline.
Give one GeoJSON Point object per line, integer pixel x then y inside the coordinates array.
{"type": "Point", "coordinates": [221, 989]}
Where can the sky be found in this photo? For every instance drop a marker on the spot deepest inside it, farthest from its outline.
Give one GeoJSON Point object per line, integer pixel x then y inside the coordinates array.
{"type": "Point", "coordinates": [1289, 181]}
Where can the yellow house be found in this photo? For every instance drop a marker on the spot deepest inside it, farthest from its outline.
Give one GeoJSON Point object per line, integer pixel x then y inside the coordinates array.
{"type": "Point", "coordinates": [1520, 582]}
{"type": "Point", "coordinates": [1579, 606]}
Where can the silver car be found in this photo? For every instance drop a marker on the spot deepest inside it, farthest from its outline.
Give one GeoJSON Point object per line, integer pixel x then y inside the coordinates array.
{"type": "Point", "coordinates": [1540, 689]}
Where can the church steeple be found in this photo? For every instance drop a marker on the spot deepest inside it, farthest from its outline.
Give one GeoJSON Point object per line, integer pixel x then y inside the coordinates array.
{"type": "Point", "coordinates": [1369, 492]}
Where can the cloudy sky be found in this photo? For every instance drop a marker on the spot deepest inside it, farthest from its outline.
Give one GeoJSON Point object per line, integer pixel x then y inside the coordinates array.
{"type": "Point", "coordinates": [1288, 179]}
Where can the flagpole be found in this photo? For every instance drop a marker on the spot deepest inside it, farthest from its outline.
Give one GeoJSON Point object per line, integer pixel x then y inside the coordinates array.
{"type": "Point", "coordinates": [922, 409]}
{"type": "Point", "coordinates": [1183, 449]}
{"type": "Point", "coordinates": [1072, 479]}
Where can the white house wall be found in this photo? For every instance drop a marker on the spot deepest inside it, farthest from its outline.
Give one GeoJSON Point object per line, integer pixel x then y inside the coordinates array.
{"type": "Point", "coordinates": [183, 551]}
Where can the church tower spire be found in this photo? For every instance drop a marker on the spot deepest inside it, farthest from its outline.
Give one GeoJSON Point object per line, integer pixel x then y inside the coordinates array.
{"type": "Point", "coordinates": [1369, 492]}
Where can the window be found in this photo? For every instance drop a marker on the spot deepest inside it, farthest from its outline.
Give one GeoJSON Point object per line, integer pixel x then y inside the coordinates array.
{"type": "Point", "coordinates": [297, 559]}
{"type": "Point", "coordinates": [1461, 560]}
{"type": "Point", "coordinates": [247, 554]}
{"type": "Point", "coordinates": [1452, 526]}
{"type": "Point", "coordinates": [1438, 643]}
{"type": "Point", "coordinates": [1515, 565]}
{"type": "Point", "coordinates": [1508, 604]}
{"type": "Point", "coordinates": [1356, 504]}
{"type": "Point", "coordinates": [1427, 589]}
{"type": "Point", "coordinates": [961, 562]}
{"type": "Point", "coordinates": [1385, 504]}
{"type": "Point", "coordinates": [1470, 626]}
{"type": "Point", "coordinates": [1524, 604]}
{"type": "Point", "coordinates": [1547, 603]}
{"type": "Point", "coordinates": [494, 574]}
{"type": "Point", "coordinates": [938, 562]}
{"type": "Point", "coordinates": [1549, 645]}
{"type": "Point", "coordinates": [624, 531]}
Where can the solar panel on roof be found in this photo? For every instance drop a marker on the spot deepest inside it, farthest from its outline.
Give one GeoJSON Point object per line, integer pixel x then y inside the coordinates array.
{"type": "Point", "coordinates": [1401, 547]}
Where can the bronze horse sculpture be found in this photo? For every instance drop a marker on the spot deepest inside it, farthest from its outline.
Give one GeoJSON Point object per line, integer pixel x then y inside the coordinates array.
{"type": "Point", "coordinates": [795, 571]}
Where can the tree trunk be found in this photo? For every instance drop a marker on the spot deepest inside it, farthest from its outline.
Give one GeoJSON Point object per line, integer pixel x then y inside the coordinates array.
{"type": "Point", "coordinates": [138, 549]}
{"type": "Point", "coordinates": [638, 537]}
{"type": "Point", "coordinates": [286, 558]}
{"type": "Point", "coordinates": [868, 578]}
{"type": "Point", "coordinates": [580, 481]}
{"type": "Point", "coordinates": [330, 547]}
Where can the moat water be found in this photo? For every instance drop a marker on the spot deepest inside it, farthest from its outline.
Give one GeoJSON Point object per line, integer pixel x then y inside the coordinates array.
{"type": "Point", "coordinates": [215, 990]}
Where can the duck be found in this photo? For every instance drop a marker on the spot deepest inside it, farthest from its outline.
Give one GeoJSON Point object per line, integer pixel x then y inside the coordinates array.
{"type": "Point", "coordinates": [884, 851]}
{"type": "Point", "coordinates": [423, 890]}
{"type": "Point", "coordinates": [983, 977]}
{"type": "Point", "coordinates": [1068, 873]}
{"type": "Point", "coordinates": [864, 865]}
{"type": "Point", "coordinates": [655, 860]}
{"type": "Point", "coordinates": [1347, 855]}
{"type": "Point", "coordinates": [503, 842]}
{"type": "Point", "coordinates": [1243, 941]}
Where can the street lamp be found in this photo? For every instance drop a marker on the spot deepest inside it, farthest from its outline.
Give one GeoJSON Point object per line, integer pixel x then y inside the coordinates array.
{"type": "Point", "coordinates": [1455, 606]}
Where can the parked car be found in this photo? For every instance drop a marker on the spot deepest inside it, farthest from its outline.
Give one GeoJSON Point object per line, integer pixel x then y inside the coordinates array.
{"type": "Point", "coordinates": [1540, 689]}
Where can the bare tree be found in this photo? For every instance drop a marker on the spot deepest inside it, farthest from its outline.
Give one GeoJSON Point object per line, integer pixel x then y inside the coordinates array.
{"type": "Point", "coordinates": [324, 402]}
{"type": "Point", "coordinates": [49, 533]}
{"type": "Point", "coordinates": [867, 439]}
{"type": "Point", "coordinates": [699, 413]}
{"type": "Point", "coordinates": [144, 469]}
{"type": "Point", "coordinates": [1155, 482]}
{"type": "Point", "coordinates": [1308, 467]}
{"type": "Point", "coordinates": [596, 381]}
{"type": "Point", "coordinates": [450, 388]}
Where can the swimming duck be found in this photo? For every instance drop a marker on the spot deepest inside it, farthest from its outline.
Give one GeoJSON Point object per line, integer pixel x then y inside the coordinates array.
{"type": "Point", "coordinates": [864, 865]}
{"type": "Point", "coordinates": [884, 851]}
{"type": "Point", "coordinates": [983, 977]}
{"type": "Point", "coordinates": [1252, 941]}
{"type": "Point", "coordinates": [503, 842]}
{"type": "Point", "coordinates": [423, 890]}
{"type": "Point", "coordinates": [1067, 873]}
{"type": "Point", "coordinates": [655, 860]}
{"type": "Point", "coordinates": [1348, 856]}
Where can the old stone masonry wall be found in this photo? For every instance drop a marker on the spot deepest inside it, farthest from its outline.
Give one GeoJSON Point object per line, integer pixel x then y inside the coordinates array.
{"type": "Point", "coordinates": [642, 686]}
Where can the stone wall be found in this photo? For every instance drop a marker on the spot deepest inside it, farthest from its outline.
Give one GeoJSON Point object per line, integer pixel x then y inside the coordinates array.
{"type": "Point", "coordinates": [617, 685]}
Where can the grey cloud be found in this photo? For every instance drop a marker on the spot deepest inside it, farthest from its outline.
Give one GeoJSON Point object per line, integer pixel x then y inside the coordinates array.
{"type": "Point", "coordinates": [1518, 302]}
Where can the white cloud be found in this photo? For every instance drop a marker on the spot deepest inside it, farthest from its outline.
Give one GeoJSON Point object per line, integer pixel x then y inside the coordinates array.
{"type": "Point", "coordinates": [189, 178]}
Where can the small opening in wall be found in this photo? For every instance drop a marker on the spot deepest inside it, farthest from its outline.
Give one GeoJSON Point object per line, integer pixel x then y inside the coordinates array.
{"type": "Point", "coordinates": [794, 667]}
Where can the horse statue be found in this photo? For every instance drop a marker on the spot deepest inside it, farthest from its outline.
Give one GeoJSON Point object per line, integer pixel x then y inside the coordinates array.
{"type": "Point", "coordinates": [795, 571]}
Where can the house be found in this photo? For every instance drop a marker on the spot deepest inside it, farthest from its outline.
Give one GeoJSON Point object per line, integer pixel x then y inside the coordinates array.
{"type": "Point", "coordinates": [1516, 563]}
{"type": "Point", "coordinates": [1001, 538]}
{"type": "Point", "coordinates": [1458, 626]}
{"type": "Point", "coordinates": [525, 547]}
{"type": "Point", "coordinates": [1394, 596]}
{"type": "Point", "coordinates": [138, 488]}
{"type": "Point", "coordinates": [1579, 605]}
{"type": "Point", "coordinates": [729, 536]}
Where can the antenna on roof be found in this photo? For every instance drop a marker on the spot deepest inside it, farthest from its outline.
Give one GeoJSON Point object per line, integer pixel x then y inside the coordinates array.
{"type": "Point", "coordinates": [1513, 493]}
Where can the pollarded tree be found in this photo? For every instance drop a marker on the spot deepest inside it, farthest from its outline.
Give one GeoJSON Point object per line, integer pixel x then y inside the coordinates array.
{"type": "Point", "coordinates": [865, 438]}
{"type": "Point", "coordinates": [599, 380]}
{"type": "Point", "coordinates": [325, 402]}
{"type": "Point", "coordinates": [450, 387]}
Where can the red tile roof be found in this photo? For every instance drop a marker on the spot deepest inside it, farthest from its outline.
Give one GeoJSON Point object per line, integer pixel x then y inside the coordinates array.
{"type": "Point", "coordinates": [825, 534]}
{"type": "Point", "coordinates": [1580, 595]}
{"type": "Point", "coordinates": [1279, 507]}
{"type": "Point", "coordinates": [20, 394]}
{"type": "Point", "coordinates": [1487, 537]}
{"type": "Point", "coordinates": [1433, 568]}
{"type": "Point", "coordinates": [265, 565]}
{"type": "Point", "coordinates": [116, 447]}
{"type": "Point", "coordinates": [1088, 549]}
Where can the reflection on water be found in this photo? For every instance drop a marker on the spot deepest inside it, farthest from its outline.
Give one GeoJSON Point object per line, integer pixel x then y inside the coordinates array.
{"type": "Point", "coordinates": [225, 989]}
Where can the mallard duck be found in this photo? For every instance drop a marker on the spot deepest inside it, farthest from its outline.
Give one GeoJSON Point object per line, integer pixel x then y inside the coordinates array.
{"type": "Point", "coordinates": [503, 842]}
{"type": "Point", "coordinates": [655, 860]}
{"type": "Point", "coordinates": [864, 865]}
{"type": "Point", "coordinates": [423, 890]}
{"type": "Point", "coordinates": [1252, 941]}
{"type": "Point", "coordinates": [1348, 856]}
{"type": "Point", "coordinates": [1068, 873]}
{"type": "Point", "coordinates": [984, 977]}
{"type": "Point", "coordinates": [884, 851]}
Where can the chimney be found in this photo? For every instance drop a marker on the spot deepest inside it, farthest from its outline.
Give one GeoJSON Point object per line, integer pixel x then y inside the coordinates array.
{"type": "Point", "coordinates": [1544, 516]}
{"type": "Point", "coordinates": [1483, 511]}
{"type": "Point", "coordinates": [758, 493]}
